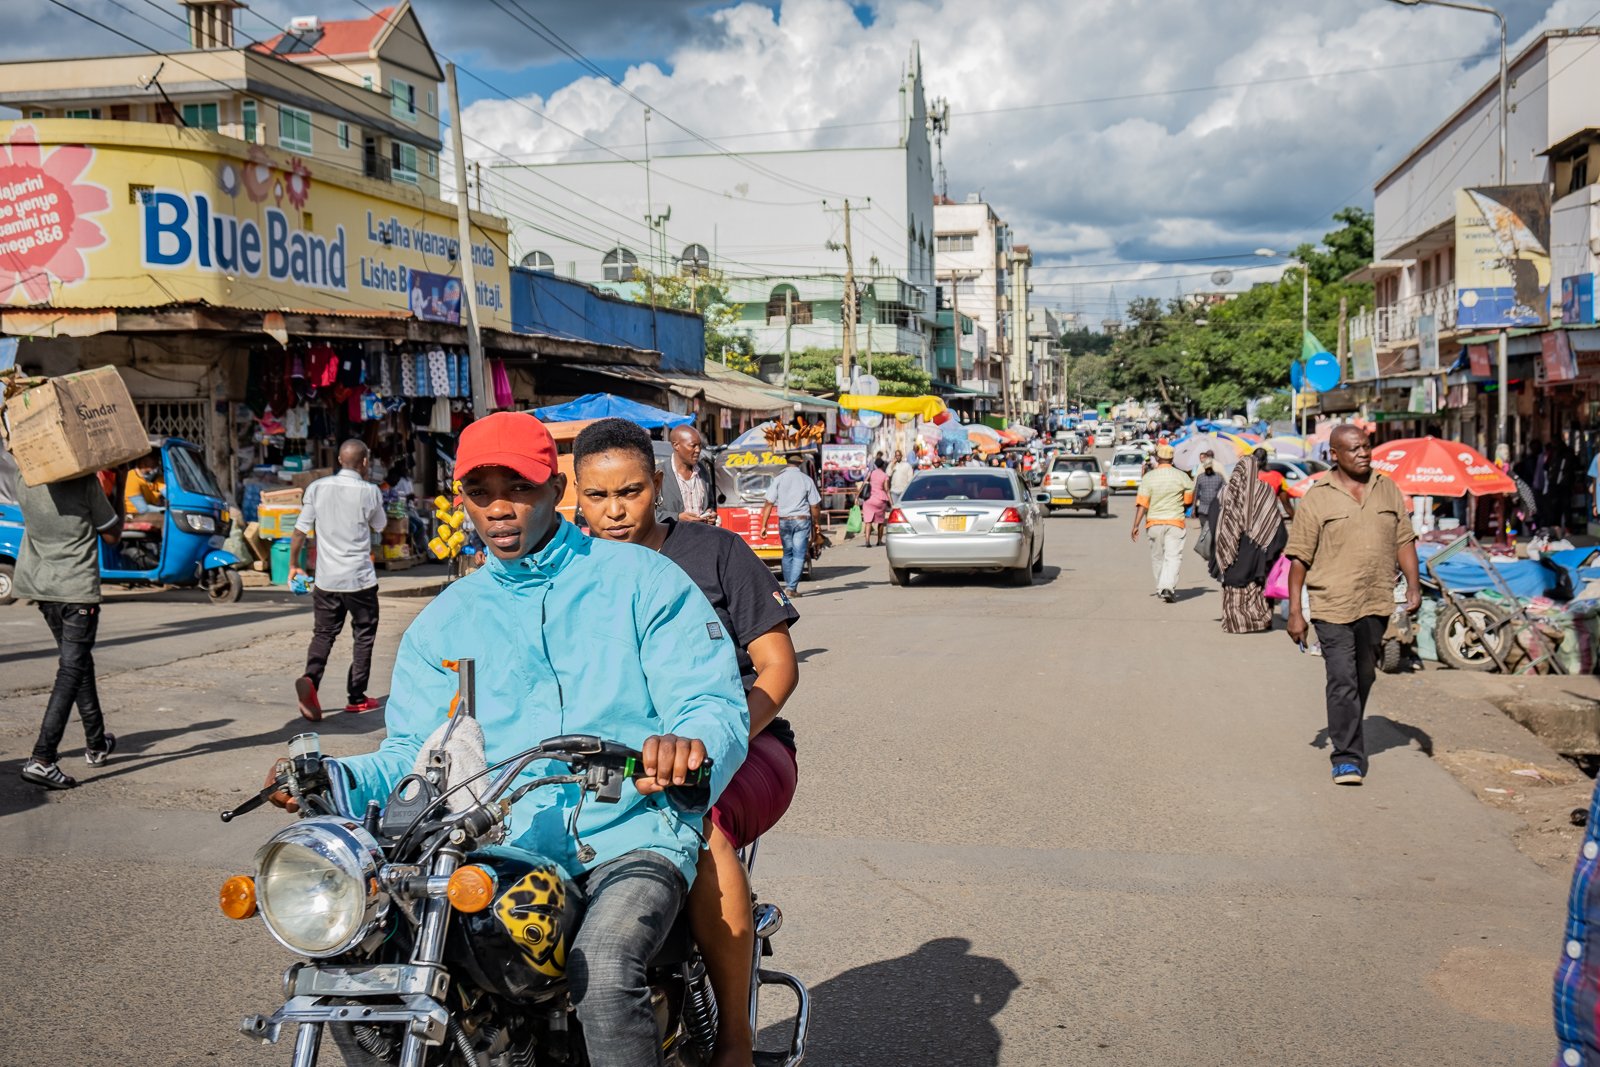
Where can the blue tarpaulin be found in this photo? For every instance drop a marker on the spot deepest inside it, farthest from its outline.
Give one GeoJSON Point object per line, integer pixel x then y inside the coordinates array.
{"type": "Point", "coordinates": [1527, 578]}
{"type": "Point", "coordinates": [607, 406]}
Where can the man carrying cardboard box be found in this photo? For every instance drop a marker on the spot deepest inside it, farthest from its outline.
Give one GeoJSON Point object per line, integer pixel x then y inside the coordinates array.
{"type": "Point", "coordinates": [58, 568]}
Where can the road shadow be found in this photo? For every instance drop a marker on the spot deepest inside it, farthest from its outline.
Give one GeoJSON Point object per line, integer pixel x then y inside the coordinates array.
{"type": "Point", "coordinates": [952, 579]}
{"type": "Point", "coordinates": [805, 654]}
{"type": "Point", "coordinates": [165, 630]}
{"type": "Point", "coordinates": [1180, 595]}
{"type": "Point", "coordinates": [936, 1005]}
{"type": "Point", "coordinates": [1382, 734]}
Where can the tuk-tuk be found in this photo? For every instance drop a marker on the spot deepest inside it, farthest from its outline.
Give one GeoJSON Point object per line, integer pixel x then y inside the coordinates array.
{"type": "Point", "coordinates": [177, 546]}
{"type": "Point", "coordinates": [743, 475]}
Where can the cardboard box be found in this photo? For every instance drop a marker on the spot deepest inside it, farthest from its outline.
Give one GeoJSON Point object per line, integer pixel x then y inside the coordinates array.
{"type": "Point", "coordinates": [282, 498]}
{"type": "Point", "coordinates": [301, 479]}
{"type": "Point", "coordinates": [74, 425]}
{"type": "Point", "coordinates": [277, 523]}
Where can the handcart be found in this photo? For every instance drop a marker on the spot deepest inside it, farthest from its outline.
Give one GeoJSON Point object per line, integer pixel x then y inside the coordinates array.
{"type": "Point", "coordinates": [1478, 634]}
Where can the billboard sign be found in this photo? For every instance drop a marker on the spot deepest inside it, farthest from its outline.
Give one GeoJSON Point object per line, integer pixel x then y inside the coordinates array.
{"type": "Point", "coordinates": [1503, 256]}
{"type": "Point", "coordinates": [1577, 300]}
{"type": "Point", "coordinates": [1363, 360]}
{"type": "Point", "coordinates": [116, 214]}
{"type": "Point", "coordinates": [1428, 344]}
{"type": "Point", "coordinates": [1555, 353]}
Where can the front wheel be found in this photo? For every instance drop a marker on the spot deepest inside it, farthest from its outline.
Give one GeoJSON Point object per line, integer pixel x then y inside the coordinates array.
{"type": "Point", "coordinates": [6, 594]}
{"type": "Point", "coordinates": [1459, 647]}
{"type": "Point", "coordinates": [226, 587]}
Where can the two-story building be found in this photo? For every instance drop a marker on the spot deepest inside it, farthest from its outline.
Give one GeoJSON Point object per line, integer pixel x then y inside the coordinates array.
{"type": "Point", "coordinates": [359, 94]}
{"type": "Point", "coordinates": [1553, 139]}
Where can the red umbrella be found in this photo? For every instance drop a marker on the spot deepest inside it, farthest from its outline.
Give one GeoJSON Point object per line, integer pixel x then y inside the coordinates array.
{"type": "Point", "coordinates": [1427, 466]}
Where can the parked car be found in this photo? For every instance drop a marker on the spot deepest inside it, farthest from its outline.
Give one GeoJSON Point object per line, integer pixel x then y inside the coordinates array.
{"type": "Point", "coordinates": [1127, 467]}
{"type": "Point", "coordinates": [966, 518]}
{"type": "Point", "coordinates": [1075, 482]}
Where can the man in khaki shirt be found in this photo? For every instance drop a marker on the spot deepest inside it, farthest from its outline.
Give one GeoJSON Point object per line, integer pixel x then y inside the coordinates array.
{"type": "Point", "coordinates": [1349, 532]}
{"type": "Point", "coordinates": [1164, 493]}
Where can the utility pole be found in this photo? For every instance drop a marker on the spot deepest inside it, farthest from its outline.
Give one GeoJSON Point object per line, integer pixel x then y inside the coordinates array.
{"type": "Point", "coordinates": [477, 181]}
{"type": "Point", "coordinates": [788, 328]}
{"type": "Point", "coordinates": [469, 277]}
{"type": "Point", "coordinates": [649, 209]}
{"type": "Point", "coordinates": [848, 337]}
{"type": "Point", "coordinates": [1305, 328]}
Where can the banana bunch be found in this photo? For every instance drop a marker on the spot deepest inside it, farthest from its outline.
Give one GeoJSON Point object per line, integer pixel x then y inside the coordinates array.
{"type": "Point", "coordinates": [450, 537]}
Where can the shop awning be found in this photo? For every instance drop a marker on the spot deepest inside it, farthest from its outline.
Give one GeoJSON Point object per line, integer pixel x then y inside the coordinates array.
{"type": "Point", "coordinates": [740, 397]}
{"type": "Point", "coordinates": [685, 386]}
{"type": "Point", "coordinates": [608, 406]}
{"type": "Point", "coordinates": [924, 406]}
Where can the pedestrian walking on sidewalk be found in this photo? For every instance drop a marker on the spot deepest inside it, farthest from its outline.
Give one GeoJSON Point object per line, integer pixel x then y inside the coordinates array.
{"type": "Point", "coordinates": [799, 507]}
{"type": "Point", "coordinates": [1350, 532]}
{"type": "Point", "coordinates": [58, 568]}
{"type": "Point", "coordinates": [343, 512]}
{"type": "Point", "coordinates": [900, 474]}
{"type": "Point", "coordinates": [875, 501]}
{"type": "Point", "coordinates": [688, 492]}
{"type": "Point", "coordinates": [1208, 486]}
{"type": "Point", "coordinates": [1250, 538]}
{"type": "Point", "coordinates": [1164, 494]}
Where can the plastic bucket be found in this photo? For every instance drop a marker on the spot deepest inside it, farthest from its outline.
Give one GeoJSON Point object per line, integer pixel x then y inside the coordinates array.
{"type": "Point", "coordinates": [280, 561]}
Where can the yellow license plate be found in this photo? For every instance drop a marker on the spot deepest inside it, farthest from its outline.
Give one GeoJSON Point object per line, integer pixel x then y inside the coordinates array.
{"type": "Point", "coordinates": [1062, 500]}
{"type": "Point", "coordinates": [953, 523]}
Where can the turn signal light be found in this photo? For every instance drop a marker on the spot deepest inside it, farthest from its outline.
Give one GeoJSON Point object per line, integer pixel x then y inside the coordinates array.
{"type": "Point", "coordinates": [1102, 481]}
{"type": "Point", "coordinates": [238, 897]}
{"type": "Point", "coordinates": [470, 889]}
{"type": "Point", "coordinates": [897, 518]}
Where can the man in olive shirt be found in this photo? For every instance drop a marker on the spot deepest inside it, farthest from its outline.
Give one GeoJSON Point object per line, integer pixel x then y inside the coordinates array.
{"type": "Point", "coordinates": [58, 567]}
{"type": "Point", "coordinates": [1349, 532]}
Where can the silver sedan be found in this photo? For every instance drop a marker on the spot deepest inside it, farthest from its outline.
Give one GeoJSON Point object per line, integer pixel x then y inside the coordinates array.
{"type": "Point", "coordinates": [967, 518]}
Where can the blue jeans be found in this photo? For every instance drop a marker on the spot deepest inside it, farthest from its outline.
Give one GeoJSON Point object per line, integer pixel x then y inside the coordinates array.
{"type": "Point", "coordinates": [796, 537]}
{"type": "Point", "coordinates": [632, 903]}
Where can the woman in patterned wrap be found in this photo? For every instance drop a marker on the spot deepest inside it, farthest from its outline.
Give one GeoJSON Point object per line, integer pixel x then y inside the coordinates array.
{"type": "Point", "coordinates": [1250, 537]}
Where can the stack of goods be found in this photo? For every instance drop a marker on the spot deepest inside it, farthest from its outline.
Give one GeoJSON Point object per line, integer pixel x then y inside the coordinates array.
{"type": "Point", "coordinates": [396, 545]}
{"type": "Point", "coordinates": [450, 539]}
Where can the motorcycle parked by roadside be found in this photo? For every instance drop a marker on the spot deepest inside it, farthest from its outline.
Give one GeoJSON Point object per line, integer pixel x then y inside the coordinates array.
{"type": "Point", "coordinates": [432, 944]}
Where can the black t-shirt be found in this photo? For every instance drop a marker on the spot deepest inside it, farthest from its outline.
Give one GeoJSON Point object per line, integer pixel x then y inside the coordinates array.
{"type": "Point", "coordinates": [742, 590]}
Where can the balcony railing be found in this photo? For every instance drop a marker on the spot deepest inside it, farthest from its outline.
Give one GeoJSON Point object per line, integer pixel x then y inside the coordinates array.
{"type": "Point", "coordinates": [1396, 324]}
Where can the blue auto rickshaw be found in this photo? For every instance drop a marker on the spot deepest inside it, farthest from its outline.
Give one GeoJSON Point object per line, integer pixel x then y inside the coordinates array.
{"type": "Point", "coordinates": [178, 546]}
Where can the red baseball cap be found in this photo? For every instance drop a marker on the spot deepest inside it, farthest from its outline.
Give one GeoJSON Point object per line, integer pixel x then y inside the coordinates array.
{"type": "Point", "coordinates": [511, 439]}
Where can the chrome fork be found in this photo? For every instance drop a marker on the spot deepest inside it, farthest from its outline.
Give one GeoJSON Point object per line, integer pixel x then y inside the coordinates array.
{"type": "Point", "coordinates": [429, 950]}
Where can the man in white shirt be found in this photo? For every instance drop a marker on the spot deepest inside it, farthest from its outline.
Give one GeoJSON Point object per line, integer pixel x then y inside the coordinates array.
{"type": "Point", "coordinates": [799, 506]}
{"type": "Point", "coordinates": [899, 477]}
{"type": "Point", "coordinates": [343, 511]}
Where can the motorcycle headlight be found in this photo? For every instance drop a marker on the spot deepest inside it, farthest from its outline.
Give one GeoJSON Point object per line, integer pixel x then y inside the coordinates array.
{"type": "Point", "coordinates": [196, 521]}
{"type": "Point", "coordinates": [317, 886]}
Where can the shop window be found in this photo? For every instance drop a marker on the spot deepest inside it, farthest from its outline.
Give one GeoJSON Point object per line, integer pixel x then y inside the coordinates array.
{"type": "Point", "coordinates": [294, 129]}
{"type": "Point", "coordinates": [538, 261]}
{"type": "Point", "coordinates": [249, 119]}
{"type": "Point", "coordinates": [619, 265]}
{"type": "Point", "coordinates": [403, 162]}
{"type": "Point", "coordinates": [200, 116]}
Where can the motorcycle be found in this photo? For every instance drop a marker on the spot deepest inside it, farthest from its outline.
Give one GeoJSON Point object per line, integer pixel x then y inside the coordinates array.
{"type": "Point", "coordinates": [431, 943]}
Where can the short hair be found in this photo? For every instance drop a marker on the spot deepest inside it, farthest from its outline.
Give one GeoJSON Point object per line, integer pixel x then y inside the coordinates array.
{"type": "Point", "coordinates": [1260, 455]}
{"type": "Point", "coordinates": [613, 435]}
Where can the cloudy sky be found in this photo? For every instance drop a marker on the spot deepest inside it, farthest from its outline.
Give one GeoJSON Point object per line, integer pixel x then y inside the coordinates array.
{"type": "Point", "coordinates": [1112, 134]}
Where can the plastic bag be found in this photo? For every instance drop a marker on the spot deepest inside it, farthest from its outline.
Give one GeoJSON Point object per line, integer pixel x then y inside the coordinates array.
{"type": "Point", "coordinates": [853, 524]}
{"type": "Point", "coordinates": [1277, 587]}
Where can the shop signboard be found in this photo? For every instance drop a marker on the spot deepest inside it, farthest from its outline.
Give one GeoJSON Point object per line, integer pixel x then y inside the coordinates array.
{"type": "Point", "coordinates": [1577, 300]}
{"type": "Point", "coordinates": [1363, 360]}
{"type": "Point", "coordinates": [1428, 343]}
{"type": "Point", "coordinates": [116, 214]}
{"type": "Point", "coordinates": [1503, 256]}
{"type": "Point", "coordinates": [435, 297]}
{"type": "Point", "coordinates": [1480, 362]}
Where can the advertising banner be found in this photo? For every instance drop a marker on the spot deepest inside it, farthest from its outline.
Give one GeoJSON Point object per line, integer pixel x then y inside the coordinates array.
{"type": "Point", "coordinates": [1428, 343]}
{"type": "Point", "coordinates": [1480, 361]}
{"type": "Point", "coordinates": [1577, 300]}
{"type": "Point", "coordinates": [116, 214]}
{"type": "Point", "coordinates": [1503, 256]}
{"type": "Point", "coordinates": [1363, 360]}
{"type": "Point", "coordinates": [1555, 351]}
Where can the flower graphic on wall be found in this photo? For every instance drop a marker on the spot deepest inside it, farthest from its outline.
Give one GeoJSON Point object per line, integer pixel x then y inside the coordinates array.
{"type": "Point", "coordinates": [259, 175]}
{"type": "Point", "coordinates": [299, 182]}
{"type": "Point", "coordinates": [44, 216]}
{"type": "Point", "coordinates": [228, 180]}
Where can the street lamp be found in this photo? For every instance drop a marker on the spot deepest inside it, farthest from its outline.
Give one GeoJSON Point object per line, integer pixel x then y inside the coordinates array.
{"type": "Point", "coordinates": [1500, 420]}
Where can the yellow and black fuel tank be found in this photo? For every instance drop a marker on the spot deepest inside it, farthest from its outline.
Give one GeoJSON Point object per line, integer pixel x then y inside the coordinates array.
{"type": "Point", "coordinates": [517, 946]}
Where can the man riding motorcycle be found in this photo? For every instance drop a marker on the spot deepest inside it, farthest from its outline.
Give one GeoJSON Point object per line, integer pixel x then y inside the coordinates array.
{"type": "Point", "coordinates": [575, 635]}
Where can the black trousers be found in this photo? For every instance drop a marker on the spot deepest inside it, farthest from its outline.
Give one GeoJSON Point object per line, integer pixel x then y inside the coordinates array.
{"type": "Point", "coordinates": [74, 627]}
{"type": "Point", "coordinates": [1350, 652]}
{"type": "Point", "coordinates": [330, 608]}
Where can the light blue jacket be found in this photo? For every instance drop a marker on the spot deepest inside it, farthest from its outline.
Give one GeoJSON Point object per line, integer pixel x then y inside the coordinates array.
{"type": "Point", "coordinates": [582, 637]}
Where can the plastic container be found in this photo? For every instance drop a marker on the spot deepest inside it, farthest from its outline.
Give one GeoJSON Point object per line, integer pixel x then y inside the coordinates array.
{"type": "Point", "coordinates": [280, 561]}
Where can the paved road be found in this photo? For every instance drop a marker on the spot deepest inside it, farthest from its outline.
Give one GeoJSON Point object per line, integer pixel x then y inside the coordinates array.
{"type": "Point", "coordinates": [1060, 825]}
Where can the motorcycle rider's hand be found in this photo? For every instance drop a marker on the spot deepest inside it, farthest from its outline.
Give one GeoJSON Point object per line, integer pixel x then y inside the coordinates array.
{"type": "Point", "coordinates": [281, 797]}
{"type": "Point", "coordinates": [668, 759]}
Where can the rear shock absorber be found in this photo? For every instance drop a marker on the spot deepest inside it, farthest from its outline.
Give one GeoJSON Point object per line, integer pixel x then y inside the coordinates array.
{"type": "Point", "coordinates": [699, 1006]}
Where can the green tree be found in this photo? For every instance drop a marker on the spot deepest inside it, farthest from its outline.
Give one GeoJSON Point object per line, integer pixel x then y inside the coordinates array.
{"type": "Point", "coordinates": [1085, 342]}
{"type": "Point", "coordinates": [706, 295]}
{"type": "Point", "coordinates": [812, 369]}
{"type": "Point", "coordinates": [1344, 250]}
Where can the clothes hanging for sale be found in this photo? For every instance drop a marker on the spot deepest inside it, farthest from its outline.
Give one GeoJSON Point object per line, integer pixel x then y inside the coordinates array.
{"type": "Point", "coordinates": [501, 378]}
{"type": "Point", "coordinates": [353, 405]}
{"type": "Point", "coordinates": [297, 423]}
{"type": "Point", "coordinates": [324, 369]}
{"type": "Point", "coordinates": [438, 373]}
{"type": "Point", "coordinates": [440, 422]}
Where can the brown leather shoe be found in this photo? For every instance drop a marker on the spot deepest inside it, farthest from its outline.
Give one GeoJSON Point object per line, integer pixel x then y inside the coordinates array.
{"type": "Point", "coordinates": [306, 690]}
